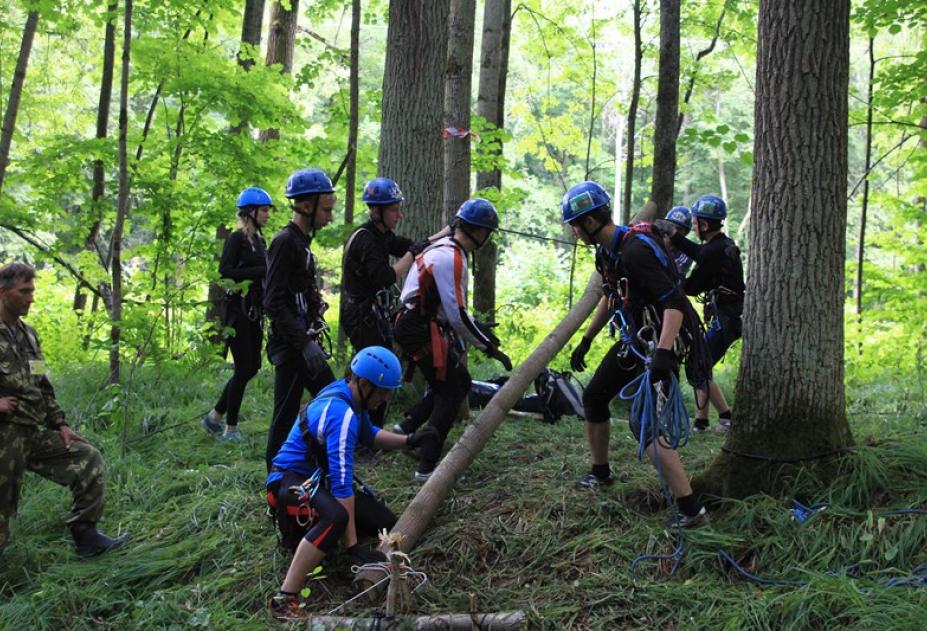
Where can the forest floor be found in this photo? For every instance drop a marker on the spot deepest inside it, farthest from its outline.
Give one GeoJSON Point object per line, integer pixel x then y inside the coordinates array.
{"type": "Point", "coordinates": [515, 533]}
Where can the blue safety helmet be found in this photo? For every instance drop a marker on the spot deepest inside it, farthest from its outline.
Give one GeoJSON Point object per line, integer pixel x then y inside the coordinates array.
{"type": "Point", "coordinates": [582, 199]}
{"type": "Point", "coordinates": [382, 191]}
{"type": "Point", "coordinates": [479, 212]}
{"type": "Point", "coordinates": [681, 216]}
{"type": "Point", "coordinates": [379, 366]}
{"type": "Point", "coordinates": [308, 182]}
{"type": "Point", "coordinates": [710, 207]}
{"type": "Point", "coordinates": [252, 196]}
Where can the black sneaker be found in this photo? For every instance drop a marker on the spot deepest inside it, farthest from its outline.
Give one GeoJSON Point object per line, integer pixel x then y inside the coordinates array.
{"type": "Point", "coordinates": [679, 520]}
{"type": "Point", "coordinates": [724, 425]}
{"type": "Point", "coordinates": [592, 481]}
{"type": "Point", "coordinates": [700, 426]}
{"type": "Point", "coordinates": [90, 542]}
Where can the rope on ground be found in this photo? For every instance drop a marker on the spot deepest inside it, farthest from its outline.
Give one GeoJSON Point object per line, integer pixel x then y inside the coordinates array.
{"type": "Point", "coordinates": [407, 572]}
{"type": "Point", "coordinates": [917, 577]}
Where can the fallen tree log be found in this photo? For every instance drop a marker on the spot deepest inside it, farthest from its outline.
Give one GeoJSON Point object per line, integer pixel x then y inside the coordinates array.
{"type": "Point", "coordinates": [505, 621]}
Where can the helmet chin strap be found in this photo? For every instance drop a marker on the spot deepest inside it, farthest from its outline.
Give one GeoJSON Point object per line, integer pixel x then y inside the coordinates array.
{"type": "Point", "coordinates": [310, 215]}
{"type": "Point", "coordinates": [591, 235]}
{"type": "Point", "coordinates": [479, 243]}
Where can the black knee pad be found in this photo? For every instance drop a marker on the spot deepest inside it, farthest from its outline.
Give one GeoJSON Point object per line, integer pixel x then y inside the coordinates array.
{"type": "Point", "coordinates": [595, 408]}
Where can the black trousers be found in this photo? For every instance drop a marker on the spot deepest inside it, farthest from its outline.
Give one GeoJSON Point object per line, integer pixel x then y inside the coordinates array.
{"type": "Point", "coordinates": [613, 373]}
{"type": "Point", "coordinates": [446, 396]}
{"type": "Point", "coordinates": [246, 357]}
{"type": "Point", "coordinates": [290, 379]}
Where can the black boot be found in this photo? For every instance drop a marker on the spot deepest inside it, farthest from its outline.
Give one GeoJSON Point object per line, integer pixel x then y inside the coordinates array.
{"type": "Point", "coordinates": [91, 542]}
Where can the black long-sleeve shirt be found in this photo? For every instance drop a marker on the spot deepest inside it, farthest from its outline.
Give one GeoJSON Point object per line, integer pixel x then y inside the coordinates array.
{"type": "Point", "coordinates": [717, 264]}
{"type": "Point", "coordinates": [367, 269]}
{"type": "Point", "coordinates": [650, 281]}
{"type": "Point", "coordinates": [291, 296]}
{"type": "Point", "coordinates": [243, 260]}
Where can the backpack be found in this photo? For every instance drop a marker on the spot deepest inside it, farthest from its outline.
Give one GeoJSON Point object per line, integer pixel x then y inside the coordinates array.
{"type": "Point", "coordinates": [559, 394]}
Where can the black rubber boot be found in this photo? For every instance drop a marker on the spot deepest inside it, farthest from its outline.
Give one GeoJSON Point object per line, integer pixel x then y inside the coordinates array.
{"type": "Point", "coordinates": [90, 542]}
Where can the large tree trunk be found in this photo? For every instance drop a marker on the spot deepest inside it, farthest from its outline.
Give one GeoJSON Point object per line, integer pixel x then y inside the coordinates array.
{"type": "Point", "coordinates": [411, 146]}
{"type": "Point", "coordinates": [106, 97]}
{"type": "Point", "coordinates": [790, 403]}
{"type": "Point", "coordinates": [122, 209]}
{"type": "Point", "coordinates": [16, 91]}
{"type": "Point", "coordinates": [666, 123]}
{"type": "Point", "coordinates": [457, 82]}
{"type": "Point", "coordinates": [490, 104]}
{"type": "Point", "coordinates": [632, 114]}
{"type": "Point", "coordinates": [281, 44]}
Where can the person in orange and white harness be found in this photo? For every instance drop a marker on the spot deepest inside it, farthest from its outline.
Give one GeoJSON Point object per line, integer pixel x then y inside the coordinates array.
{"type": "Point", "coordinates": [311, 486]}
{"type": "Point", "coordinates": [434, 329]}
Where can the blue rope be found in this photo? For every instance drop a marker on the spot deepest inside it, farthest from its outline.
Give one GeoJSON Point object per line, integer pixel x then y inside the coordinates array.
{"type": "Point", "coordinates": [916, 578]}
{"type": "Point", "coordinates": [672, 422]}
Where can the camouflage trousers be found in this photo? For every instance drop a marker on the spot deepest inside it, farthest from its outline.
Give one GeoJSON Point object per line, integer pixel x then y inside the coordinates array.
{"type": "Point", "coordinates": [41, 450]}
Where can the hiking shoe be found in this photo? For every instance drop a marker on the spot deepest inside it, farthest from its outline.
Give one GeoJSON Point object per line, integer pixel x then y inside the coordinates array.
{"type": "Point", "coordinates": [211, 426]}
{"type": "Point", "coordinates": [286, 607]}
{"type": "Point", "coordinates": [592, 481]}
{"type": "Point", "coordinates": [90, 542]}
{"type": "Point", "coordinates": [724, 425]}
{"type": "Point", "coordinates": [700, 426]}
{"type": "Point", "coordinates": [678, 520]}
{"type": "Point", "coordinates": [231, 435]}
{"type": "Point", "coordinates": [422, 476]}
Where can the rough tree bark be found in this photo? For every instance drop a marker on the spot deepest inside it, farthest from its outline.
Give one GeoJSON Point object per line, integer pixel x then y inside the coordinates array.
{"type": "Point", "coordinates": [122, 209]}
{"type": "Point", "coordinates": [281, 44]}
{"type": "Point", "coordinates": [16, 91]}
{"type": "Point", "coordinates": [411, 146]}
{"type": "Point", "coordinates": [457, 92]}
{"type": "Point", "coordinates": [632, 115]}
{"type": "Point", "coordinates": [490, 104]}
{"type": "Point", "coordinates": [106, 97]}
{"type": "Point", "coordinates": [665, 124]}
{"type": "Point", "coordinates": [790, 405]}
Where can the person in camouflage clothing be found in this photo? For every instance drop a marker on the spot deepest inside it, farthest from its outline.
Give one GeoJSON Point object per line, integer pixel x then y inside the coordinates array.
{"type": "Point", "coordinates": [33, 433]}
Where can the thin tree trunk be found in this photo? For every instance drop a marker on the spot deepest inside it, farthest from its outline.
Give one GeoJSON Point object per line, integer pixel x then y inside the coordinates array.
{"type": "Point", "coordinates": [350, 174]}
{"type": "Point", "coordinates": [281, 44]}
{"type": "Point", "coordinates": [861, 246]}
{"type": "Point", "coordinates": [722, 178]}
{"type": "Point", "coordinates": [457, 94]}
{"type": "Point", "coordinates": [251, 23]}
{"type": "Point", "coordinates": [99, 173]}
{"type": "Point", "coordinates": [632, 114]}
{"type": "Point", "coordinates": [411, 147]}
{"type": "Point", "coordinates": [702, 53]}
{"type": "Point", "coordinates": [353, 114]}
{"type": "Point", "coordinates": [16, 91]}
{"type": "Point", "coordinates": [122, 209]}
{"type": "Point", "coordinates": [790, 401]}
{"type": "Point", "coordinates": [666, 123]}
{"type": "Point", "coordinates": [490, 104]}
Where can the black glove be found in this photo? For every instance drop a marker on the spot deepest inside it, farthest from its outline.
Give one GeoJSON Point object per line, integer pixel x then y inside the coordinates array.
{"type": "Point", "coordinates": [426, 434]}
{"type": "Point", "coordinates": [500, 357]}
{"type": "Point", "coordinates": [578, 356]}
{"type": "Point", "coordinates": [486, 329]}
{"type": "Point", "coordinates": [419, 246]}
{"type": "Point", "coordinates": [314, 358]}
{"type": "Point", "coordinates": [662, 365]}
{"type": "Point", "coordinates": [362, 556]}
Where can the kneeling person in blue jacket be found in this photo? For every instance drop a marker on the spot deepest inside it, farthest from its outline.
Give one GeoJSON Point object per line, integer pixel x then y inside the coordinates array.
{"type": "Point", "coordinates": [317, 462]}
